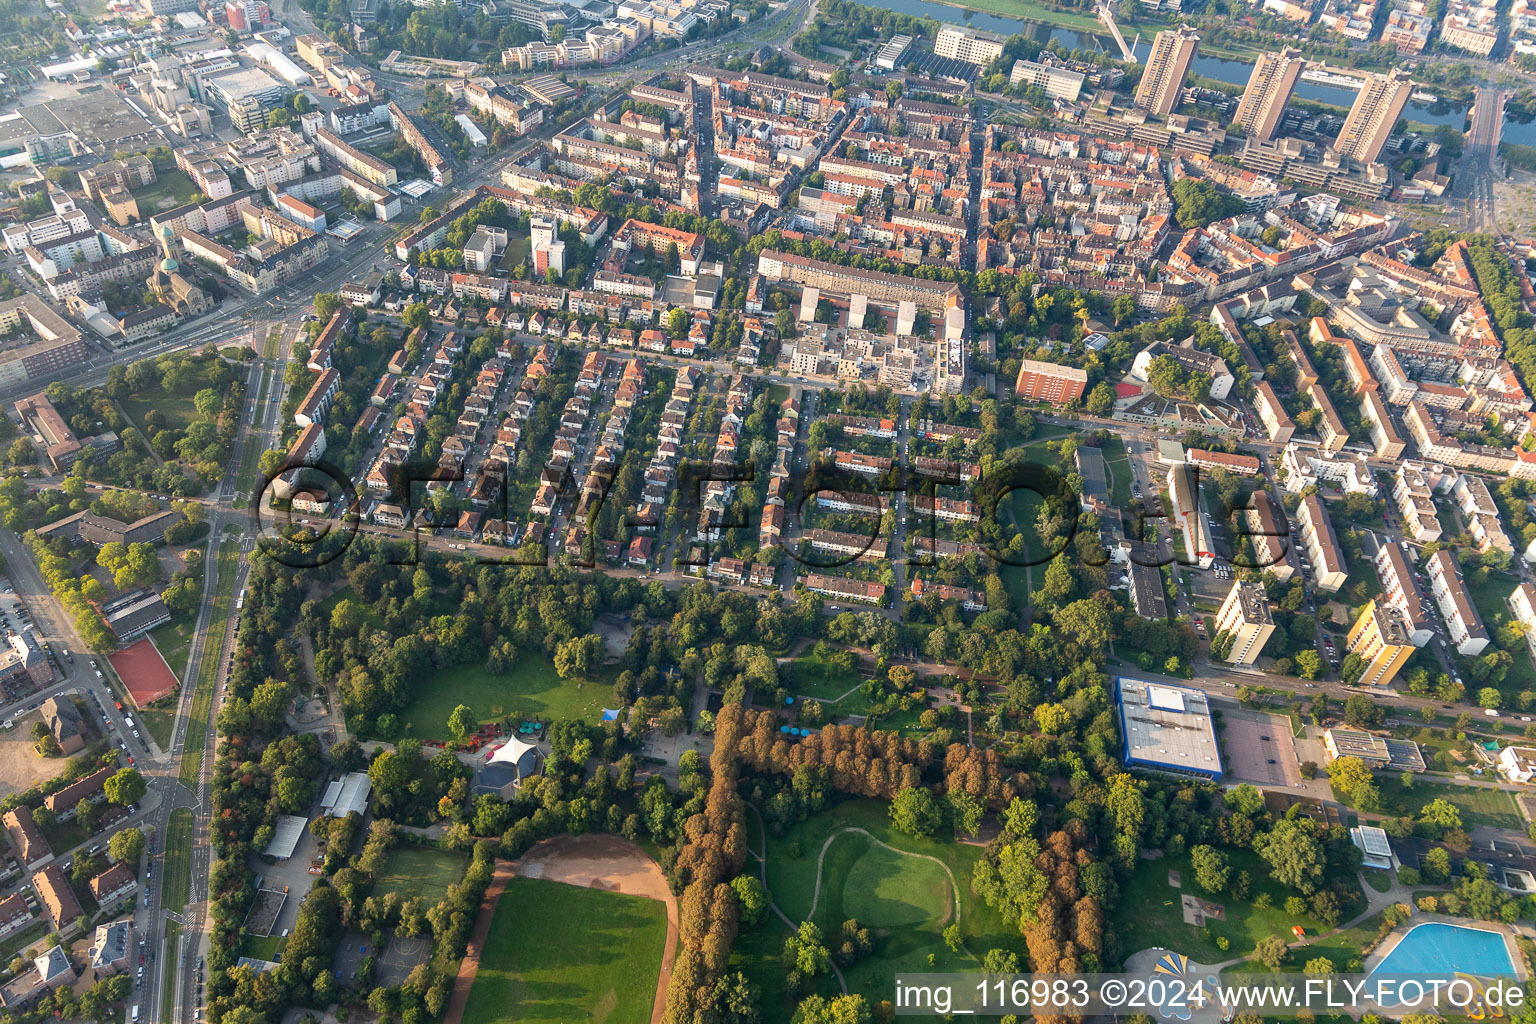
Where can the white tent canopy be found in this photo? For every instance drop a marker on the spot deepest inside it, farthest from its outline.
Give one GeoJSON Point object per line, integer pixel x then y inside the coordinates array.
{"type": "Point", "coordinates": [512, 752]}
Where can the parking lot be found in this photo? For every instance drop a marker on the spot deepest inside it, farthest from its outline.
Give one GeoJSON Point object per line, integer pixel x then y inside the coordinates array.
{"type": "Point", "coordinates": [1257, 748]}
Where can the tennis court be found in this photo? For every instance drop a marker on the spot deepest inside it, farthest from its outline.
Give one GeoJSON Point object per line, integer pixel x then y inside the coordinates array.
{"type": "Point", "coordinates": [144, 672]}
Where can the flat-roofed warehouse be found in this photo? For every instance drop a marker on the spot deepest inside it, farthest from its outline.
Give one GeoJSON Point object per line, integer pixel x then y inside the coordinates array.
{"type": "Point", "coordinates": [286, 833]}
{"type": "Point", "coordinates": [99, 120]}
{"type": "Point", "coordinates": [1167, 728]}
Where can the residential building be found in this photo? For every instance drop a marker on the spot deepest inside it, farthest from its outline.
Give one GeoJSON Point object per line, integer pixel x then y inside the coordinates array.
{"type": "Point", "coordinates": [1522, 605]}
{"type": "Point", "coordinates": [1048, 382]}
{"type": "Point", "coordinates": [64, 721]}
{"type": "Point", "coordinates": [112, 947]}
{"type": "Point", "coordinates": [1245, 617]}
{"type": "Point", "coordinates": [1449, 590]}
{"type": "Point", "coordinates": [1056, 82]}
{"type": "Point", "coordinates": [91, 787]}
{"type": "Point", "coordinates": [839, 588]}
{"type": "Point", "coordinates": [1199, 548]}
{"type": "Point", "coordinates": [1242, 465]}
{"type": "Point", "coordinates": [1277, 424]}
{"type": "Point", "coordinates": [1413, 497]}
{"type": "Point", "coordinates": [1162, 83]}
{"type": "Point", "coordinates": [1373, 116]}
{"type": "Point", "coordinates": [1269, 90]}
{"type": "Point", "coordinates": [113, 885]}
{"type": "Point", "coordinates": [1400, 588]}
{"type": "Point", "coordinates": [1269, 533]}
{"type": "Point", "coordinates": [25, 835]}
{"type": "Point", "coordinates": [57, 898]}
{"type": "Point", "coordinates": [1381, 638]}
{"type": "Point", "coordinates": [14, 913]}
{"type": "Point", "coordinates": [1321, 544]}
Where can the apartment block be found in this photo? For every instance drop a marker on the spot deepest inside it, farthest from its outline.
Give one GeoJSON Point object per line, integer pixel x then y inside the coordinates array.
{"type": "Point", "coordinates": [1389, 444]}
{"type": "Point", "coordinates": [1522, 605]}
{"type": "Point", "coordinates": [1057, 83]}
{"type": "Point", "coordinates": [1373, 116]}
{"type": "Point", "coordinates": [1048, 382]}
{"type": "Point", "coordinates": [1400, 588]}
{"type": "Point", "coordinates": [1380, 637]}
{"type": "Point", "coordinates": [1277, 425]}
{"type": "Point", "coordinates": [1162, 83]}
{"type": "Point", "coordinates": [1269, 532]}
{"type": "Point", "coordinates": [1269, 89]}
{"type": "Point", "coordinates": [1199, 548]}
{"type": "Point", "coordinates": [1321, 544]}
{"type": "Point", "coordinates": [1412, 495]}
{"type": "Point", "coordinates": [1245, 617]}
{"type": "Point", "coordinates": [969, 45]}
{"type": "Point", "coordinates": [1449, 590]}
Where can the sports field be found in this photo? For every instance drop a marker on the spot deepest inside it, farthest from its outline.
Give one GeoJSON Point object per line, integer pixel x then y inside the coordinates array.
{"type": "Point", "coordinates": [560, 953]}
{"type": "Point", "coordinates": [423, 871]}
{"type": "Point", "coordinates": [532, 688]}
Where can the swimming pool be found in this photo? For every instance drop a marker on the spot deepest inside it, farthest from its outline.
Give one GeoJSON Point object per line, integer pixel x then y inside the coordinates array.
{"type": "Point", "coordinates": [1435, 948]}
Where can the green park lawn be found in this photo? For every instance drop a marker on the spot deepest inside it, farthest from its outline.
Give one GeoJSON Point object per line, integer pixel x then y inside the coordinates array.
{"type": "Point", "coordinates": [174, 640]}
{"type": "Point", "coordinates": [820, 679]}
{"type": "Point", "coordinates": [176, 408]}
{"type": "Point", "coordinates": [262, 947]}
{"type": "Point", "coordinates": [171, 189]}
{"type": "Point", "coordinates": [1119, 465]}
{"type": "Point", "coordinates": [532, 689]}
{"type": "Point", "coordinates": [161, 723]}
{"type": "Point", "coordinates": [905, 901]}
{"type": "Point", "coordinates": [1489, 595]}
{"type": "Point", "coordinates": [559, 953]}
{"type": "Point", "coordinates": [1149, 913]}
{"type": "Point", "coordinates": [420, 871]}
{"type": "Point", "coordinates": [1478, 806]}
{"type": "Point", "coordinates": [518, 248]}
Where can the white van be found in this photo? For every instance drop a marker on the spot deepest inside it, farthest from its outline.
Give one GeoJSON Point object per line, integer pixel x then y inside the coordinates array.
{"type": "Point", "coordinates": [133, 1015]}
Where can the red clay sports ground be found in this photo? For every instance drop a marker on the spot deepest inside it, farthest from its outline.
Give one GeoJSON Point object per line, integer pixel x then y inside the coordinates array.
{"type": "Point", "coordinates": [144, 672]}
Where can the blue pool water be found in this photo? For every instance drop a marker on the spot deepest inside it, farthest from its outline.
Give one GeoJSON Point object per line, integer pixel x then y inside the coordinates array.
{"type": "Point", "coordinates": [1436, 948]}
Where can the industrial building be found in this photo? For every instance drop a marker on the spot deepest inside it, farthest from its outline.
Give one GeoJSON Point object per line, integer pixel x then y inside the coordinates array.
{"type": "Point", "coordinates": [1167, 728]}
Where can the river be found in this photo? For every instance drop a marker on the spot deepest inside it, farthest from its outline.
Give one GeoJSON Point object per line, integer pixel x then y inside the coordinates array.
{"type": "Point", "coordinates": [1221, 69]}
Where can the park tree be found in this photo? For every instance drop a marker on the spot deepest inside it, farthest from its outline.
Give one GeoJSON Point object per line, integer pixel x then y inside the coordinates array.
{"type": "Point", "coordinates": [1211, 868]}
{"type": "Point", "coordinates": [1101, 400]}
{"type": "Point", "coordinates": [1348, 774]}
{"type": "Point", "coordinates": [126, 787]}
{"type": "Point", "coordinates": [753, 897]}
{"type": "Point", "coordinates": [126, 846]}
{"type": "Point", "coordinates": [1362, 712]}
{"type": "Point", "coordinates": [208, 402]}
{"type": "Point", "coordinates": [1294, 855]}
{"type": "Point", "coordinates": [461, 722]}
{"type": "Point", "coordinates": [837, 1010]}
{"type": "Point", "coordinates": [805, 953]}
{"type": "Point", "coordinates": [915, 811]}
{"type": "Point", "coordinates": [577, 657]}
{"type": "Point", "coordinates": [965, 811]}
{"type": "Point", "coordinates": [1272, 952]}
{"type": "Point", "coordinates": [1441, 815]}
